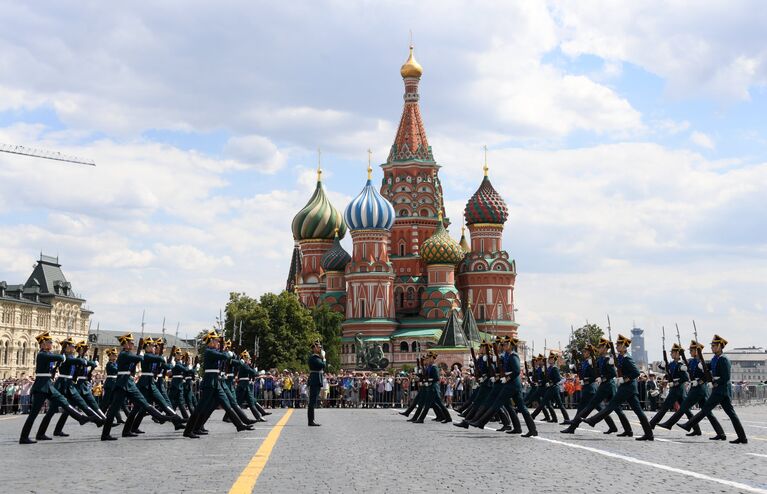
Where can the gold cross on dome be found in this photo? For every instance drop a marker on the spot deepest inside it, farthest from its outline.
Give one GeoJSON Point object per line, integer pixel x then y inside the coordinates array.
{"type": "Point", "coordinates": [485, 168]}
{"type": "Point", "coordinates": [370, 168]}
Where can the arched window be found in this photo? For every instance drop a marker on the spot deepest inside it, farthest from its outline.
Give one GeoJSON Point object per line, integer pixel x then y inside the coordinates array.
{"type": "Point", "coordinates": [399, 296]}
{"type": "Point", "coordinates": [403, 347]}
{"type": "Point", "coordinates": [24, 353]}
{"type": "Point", "coordinates": [424, 212]}
{"type": "Point", "coordinates": [481, 312]}
{"type": "Point", "coordinates": [362, 308]}
{"type": "Point", "coordinates": [410, 293]}
{"type": "Point", "coordinates": [416, 347]}
{"type": "Point", "coordinates": [4, 351]}
{"type": "Point", "coordinates": [402, 249]}
{"type": "Point", "coordinates": [385, 347]}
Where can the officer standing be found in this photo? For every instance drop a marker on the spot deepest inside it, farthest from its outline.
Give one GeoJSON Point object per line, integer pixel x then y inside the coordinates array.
{"type": "Point", "coordinates": [316, 371]}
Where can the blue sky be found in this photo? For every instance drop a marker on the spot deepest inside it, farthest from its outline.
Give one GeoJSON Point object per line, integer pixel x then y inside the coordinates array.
{"type": "Point", "coordinates": [628, 140]}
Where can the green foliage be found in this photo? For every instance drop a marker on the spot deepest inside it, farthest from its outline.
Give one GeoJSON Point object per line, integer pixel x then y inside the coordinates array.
{"type": "Point", "coordinates": [328, 324]}
{"type": "Point", "coordinates": [284, 327]}
{"type": "Point", "coordinates": [590, 333]}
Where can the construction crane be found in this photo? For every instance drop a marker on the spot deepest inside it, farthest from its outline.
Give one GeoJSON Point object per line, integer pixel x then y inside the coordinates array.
{"type": "Point", "coordinates": [44, 154]}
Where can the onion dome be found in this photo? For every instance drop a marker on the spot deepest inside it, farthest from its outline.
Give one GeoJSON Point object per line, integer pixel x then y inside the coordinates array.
{"type": "Point", "coordinates": [336, 258]}
{"type": "Point", "coordinates": [411, 68]}
{"type": "Point", "coordinates": [486, 205]}
{"type": "Point", "coordinates": [440, 248]}
{"type": "Point", "coordinates": [369, 210]}
{"type": "Point", "coordinates": [463, 242]}
{"type": "Point", "coordinates": [318, 219]}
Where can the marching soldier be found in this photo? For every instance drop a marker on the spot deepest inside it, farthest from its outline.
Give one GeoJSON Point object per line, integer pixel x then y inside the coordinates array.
{"type": "Point", "coordinates": [212, 389]}
{"type": "Point", "coordinates": [176, 393]}
{"type": "Point", "coordinates": [697, 394]}
{"type": "Point", "coordinates": [245, 374]}
{"type": "Point", "coordinates": [190, 378]}
{"type": "Point", "coordinates": [677, 376]}
{"type": "Point", "coordinates": [316, 371]}
{"type": "Point", "coordinates": [551, 394]}
{"type": "Point", "coordinates": [511, 390]}
{"type": "Point", "coordinates": [227, 384]}
{"type": "Point", "coordinates": [628, 391]}
{"type": "Point", "coordinates": [124, 388]}
{"type": "Point", "coordinates": [486, 372]}
{"type": "Point", "coordinates": [721, 393]}
{"type": "Point", "coordinates": [43, 389]}
{"type": "Point", "coordinates": [151, 365]}
{"type": "Point", "coordinates": [605, 391]}
{"type": "Point", "coordinates": [538, 389]}
{"type": "Point", "coordinates": [64, 384]}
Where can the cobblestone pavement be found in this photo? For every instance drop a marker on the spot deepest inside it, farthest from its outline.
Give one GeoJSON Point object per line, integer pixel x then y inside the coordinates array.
{"type": "Point", "coordinates": [378, 451]}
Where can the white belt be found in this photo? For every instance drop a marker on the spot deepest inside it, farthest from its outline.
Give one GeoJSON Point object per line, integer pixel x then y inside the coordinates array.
{"type": "Point", "coordinates": [123, 373]}
{"type": "Point", "coordinates": [80, 378]}
{"type": "Point", "coordinates": [230, 375]}
{"type": "Point", "coordinates": [211, 371]}
{"type": "Point", "coordinates": [64, 377]}
{"type": "Point", "coordinates": [111, 377]}
{"type": "Point", "coordinates": [179, 377]}
{"type": "Point", "coordinates": [188, 378]}
{"type": "Point", "coordinates": [244, 379]}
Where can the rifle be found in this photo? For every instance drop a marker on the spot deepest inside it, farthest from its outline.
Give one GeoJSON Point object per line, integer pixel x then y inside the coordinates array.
{"type": "Point", "coordinates": [669, 377]}
{"type": "Point", "coordinates": [527, 374]}
{"type": "Point", "coordinates": [618, 370]}
{"type": "Point", "coordinates": [499, 370]}
{"type": "Point", "coordinates": [681, 348]}
{"type": "Point", "coordinates": [706, 369]}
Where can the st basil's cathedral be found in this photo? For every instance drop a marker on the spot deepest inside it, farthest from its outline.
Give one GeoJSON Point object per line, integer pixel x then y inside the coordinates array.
{"type": "Point", "coordinates": [407, 284]}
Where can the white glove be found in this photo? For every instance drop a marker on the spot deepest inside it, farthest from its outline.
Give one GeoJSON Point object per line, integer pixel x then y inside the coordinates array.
{"type": "Point", "coordinates": [164, 359]}
{"type": "Point", "coordinates": [197, 367]}
{"type": "Point", "coordinates": [322, 353]}
{"type": "Point", "coordinates": [141, 353]}
{"type": "Point", "coordinates": [611, 361]}
{"type": "Point", "coordinates": [683, 367]}
{"type": "Point", "coordinates": [700, 366]}
{"type": "Point", "coordinates": [229, 354]}
{"type": "Point", "coordinates": [97, 363]}
{"type": "Point", "coordinates": [484, 358]}
{"type": "Point", "coordinates": [572, 366]}
{"type": "Point", "coordinates": [599, 380]}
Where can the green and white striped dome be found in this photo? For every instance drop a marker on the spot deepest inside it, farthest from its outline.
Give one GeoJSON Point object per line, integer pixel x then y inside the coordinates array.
{"type": "Point", "coordinates": [318, 219]}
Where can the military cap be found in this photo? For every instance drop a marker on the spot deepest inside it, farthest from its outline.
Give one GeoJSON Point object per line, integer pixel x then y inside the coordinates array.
{"type": "Point", "coordinates": [718, 340]}
{"type": "Point", "coordinates": [125, 338]}
{"type": "Point", "coordinates": [511, 339]}
{"type": "Point", "coordinates": [111, 351]}
{"type": "Point", "coordinates": [211, 335]}
{"type": "Point", "coordinates": [228, 343]}
{"type": "Point", "coordinates": [81, 344]}
{"type": "Point", "coordinates": [67, 341]}
{"type": "Point", "coordinates": [603, 342]}
{"type": "Point", "coordinates": [695, 344]}
{"type": "Point", "coordinates": [149, 341]}
{"type": "Point", "coordinates": [245, 354]}
{"type": "Point", "coordinates": [499, 339]}
{"type": "Point", "coordinates": [590, 348]}
{"type": "Point", "coordinates": [177, 351]}
{"type": "Point", "coordinates": [622, 340]}
{"type": "Point", "coordinates": [553, 355]}
{"type": "Point", "coordinates": [540, 357]}
{"type": "Point", "coordinates": [45, 336]}
{"type": "Point", "coordinates": [676, 347]}
{"type": "Point", "coordinates": [431, 354]}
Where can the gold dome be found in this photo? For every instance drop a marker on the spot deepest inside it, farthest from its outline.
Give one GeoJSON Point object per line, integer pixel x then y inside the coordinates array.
{"type": "Point", "coordinates": [411, 68]}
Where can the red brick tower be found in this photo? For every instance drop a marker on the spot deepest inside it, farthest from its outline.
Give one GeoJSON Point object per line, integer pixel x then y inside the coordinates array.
{"type": "Point", "coordinates": [487, 274]}
{"type": "Point", "coordinates": [411, 183]}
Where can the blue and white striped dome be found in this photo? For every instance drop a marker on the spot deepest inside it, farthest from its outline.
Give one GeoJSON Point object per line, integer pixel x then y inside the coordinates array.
{"type": "Point", "coordinates": [369, 211]}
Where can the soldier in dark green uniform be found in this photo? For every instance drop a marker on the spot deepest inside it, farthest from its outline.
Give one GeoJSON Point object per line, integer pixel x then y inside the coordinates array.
{"type": "Point", "coordinates": [721, 393]}
{"type": "Point", "coordinates": [190, 377]}
{"type": "Point", "coordinates": [677, 376]}
{"type": "Point", "coordinates": [227, 381]}
{"type": "Point", "coordinates": [551, 395]}
{"type": "Point", "coordinates": [66, 385]}
{"type": "Point", "coordinates": [46, 364]}
{"type": "Point", "coordinates": [163, 368]}
{"type": "Point", "coordinates": [605, 391]}
{"type": "Point", "coordinates": [316, 373]}
{"type": "Point", "coordinates": [83, 378]}
{"type": "Point", "coordinates": [511, 390]}
{"type": "Point", "coordinates": [244, 392]}
{"type": "Point", "coordinates": [212, 389]}
{"type": "Point", "coordinates": [125, 387]}
{"type": "Point", "coordinates": [109, 386]}
{"type": "Point", "coordinates": [628, 391]}
{"type": "Point", "coordinates": [538, 389]}
{"type": "Point", "coordinates": [486, 371]}
{"type": "Point", "coordinates": [151, 365]}
{"type": "Point", "coordinates": [697, 394]}
{"type": "Point", "coordinates": [176, 393]}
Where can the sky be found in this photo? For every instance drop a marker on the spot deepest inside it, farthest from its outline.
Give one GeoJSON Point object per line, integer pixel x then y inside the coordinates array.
{"type": "Point", "coordinates": [628, 139]}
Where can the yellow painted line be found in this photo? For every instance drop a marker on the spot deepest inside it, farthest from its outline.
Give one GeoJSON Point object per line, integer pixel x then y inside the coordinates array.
{"type": "Point", "coordinates": [247, 479]}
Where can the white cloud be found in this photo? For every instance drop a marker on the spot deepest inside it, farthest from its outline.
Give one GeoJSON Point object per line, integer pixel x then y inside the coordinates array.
{"type": "Point", "coordinates": [257, 151]}
{"type": "Point", "coordinates": [702, 140]}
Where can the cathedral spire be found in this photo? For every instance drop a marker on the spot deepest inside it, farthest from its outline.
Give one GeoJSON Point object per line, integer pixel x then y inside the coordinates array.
{"type": "Point", "coordinates": [411, 144]}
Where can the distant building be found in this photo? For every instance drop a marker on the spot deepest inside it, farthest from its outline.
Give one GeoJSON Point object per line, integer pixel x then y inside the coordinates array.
{"type": "Point", "coordinates": [102, 340]}
{"type": "Point", "coordinates": [46, 302]}
{"type": "Point", "coordinates": [638, 352]}
{"type": "Point", "coordinates": [748, 364]}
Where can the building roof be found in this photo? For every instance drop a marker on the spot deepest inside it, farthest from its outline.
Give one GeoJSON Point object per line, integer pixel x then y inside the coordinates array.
{"type": "Point", "coordinates": [109, 338]}
{"type": "Point", "coordinates": [470, 328]}
{"type": "Point", "coordinates": [452, 335]}
{"type": "Point", "coordinates": [417, 333]}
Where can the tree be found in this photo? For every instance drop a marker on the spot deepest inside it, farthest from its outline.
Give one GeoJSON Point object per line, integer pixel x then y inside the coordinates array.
{"type": "Point", "coordinates": [590, 333]}
{"type": "Point", "coordinates": [328, 324]}
{"type": "Point", "coordinates": [284, 327]}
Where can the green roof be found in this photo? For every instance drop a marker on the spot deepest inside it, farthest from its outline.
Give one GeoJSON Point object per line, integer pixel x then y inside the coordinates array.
{"type": "Point", "coordinates": [417, 333]}
{"type": "Point", "coordinates": [366, 338]}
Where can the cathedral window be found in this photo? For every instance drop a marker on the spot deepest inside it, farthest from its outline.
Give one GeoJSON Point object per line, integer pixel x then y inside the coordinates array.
{"type": "Point", "coordinates": [403, 347]}
{"type": "Point", "coordinates": [362, 308]}
{"type": "Point", "coordinates": [385, 347]}
{"type": "Point", "coordinates": [416, 346]}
